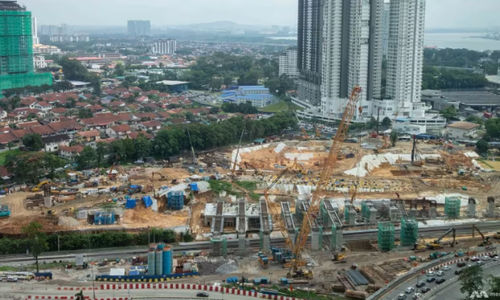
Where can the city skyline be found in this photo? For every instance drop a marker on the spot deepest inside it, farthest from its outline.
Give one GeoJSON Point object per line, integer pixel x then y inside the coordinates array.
{"type": "Point", "coordinates": [444, 14]}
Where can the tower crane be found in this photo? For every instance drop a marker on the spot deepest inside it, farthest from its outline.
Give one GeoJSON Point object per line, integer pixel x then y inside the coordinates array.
{"type": "Point", "coordinates": [325, 177]}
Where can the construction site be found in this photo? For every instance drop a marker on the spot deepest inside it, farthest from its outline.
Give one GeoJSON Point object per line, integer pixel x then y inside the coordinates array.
{"type": "Point", "coordinates": [308, 212]}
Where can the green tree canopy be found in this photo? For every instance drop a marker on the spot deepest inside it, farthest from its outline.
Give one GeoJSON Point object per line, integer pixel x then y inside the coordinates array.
{"type": "Point", "coordinates": [493, 127]}
{"type": "Point", "coordinates": [471, 280]}
{"type": "Point", "coordinates": [37, 240]}
{"type": "Point", "coordinates": [33, 142]}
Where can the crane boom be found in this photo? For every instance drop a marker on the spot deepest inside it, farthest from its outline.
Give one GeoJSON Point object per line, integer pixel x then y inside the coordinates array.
{"type": "Point", "coordinates": [326, 173]}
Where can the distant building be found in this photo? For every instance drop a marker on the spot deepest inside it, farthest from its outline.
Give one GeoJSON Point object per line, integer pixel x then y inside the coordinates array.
{"type": "Point", "coordinates": [139, 27]}
{"type": "Point", "coordinates": [462, 130]}
{"type": "Point", "coordinates": [34, 31]}
{"type": "Point", "coordinates": [16, 60]}
{"type": "Point", "coordinates": [39, 62]}
{"type": "Point", "coordinates": [288, 63]}
{"type": "Point", "coordinates": [175, 86]}
{"type": "Point", "coordinates": [258, 96]}
{"type": "Point", "coordinates": [164, 47]}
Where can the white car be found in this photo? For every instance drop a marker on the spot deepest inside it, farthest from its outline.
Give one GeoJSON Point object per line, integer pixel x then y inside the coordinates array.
{"type": "Point", "coordinates": [417, 296]}
{"type": "Point", "coordinates": [401, 296]}
{"type": "Point", "coordinates": [445, 268]}
{"type": "Point", "coordinates": [430, 273]}
{"type": "Point", "coordinates": [486, 258]}
{"type": "Point", "coordinates": [440, 273]}
{"type": "Point", "coordinates": [410, 290]}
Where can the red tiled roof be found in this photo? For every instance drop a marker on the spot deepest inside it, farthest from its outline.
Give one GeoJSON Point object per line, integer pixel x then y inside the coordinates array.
{"type": "Point", "coordinates": [42, 130]}
{"type": "Point", "coordinates": [27, 125]}
{"type": "Point", "coordinates": [19, 133]}
{"type": "Point", "coordinates": [90, 133]}
{"type": "Point", "coordinates": [144, 116]}
{"type": "Point", "coordinates": [121, 128]}
{"type": "Point", "coordinates": [149, 124]}
{"type": "Point", "coordinates": [123, 116]}
{"type": "Point", "coordinates": [6, 138]}
{"type": "Point", "coordinates": [136, 134]}
{"type": "Point", "coordinates": [28, 101]}
{"type": "Point", "coordinates": [65, 125]}
{"type": "Point", "coordinates": [101, 119]}
{"type": "Point", "coordinates": [72, 149]}
{"type": "Point", "coordinates": [59, 110]}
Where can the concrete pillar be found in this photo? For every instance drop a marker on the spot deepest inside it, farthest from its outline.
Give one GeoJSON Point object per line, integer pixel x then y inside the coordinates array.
{"type": "Point", "coordinates": [47, 202]}
{"type": "Point", "coordinates": [471, 208]}
{"type": "Point", "coordinates": [339, 239]}
{"type": "Point", "coordinates": [432, 212]}
{"type": "Point", "coordinates": [373, 216]}
{"type": "Point", "coordinates": [266, 241]}
{"type": "Point", "coordinates": [315, 240]}
{"type": "Point", "coordinates": [242, 245]}
{"type": "Point", "coordinates": [490, 212]}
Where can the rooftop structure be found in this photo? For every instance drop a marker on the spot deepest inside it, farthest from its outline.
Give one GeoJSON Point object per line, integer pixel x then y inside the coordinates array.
{"type": "Point", "coordinates": [257, 95]}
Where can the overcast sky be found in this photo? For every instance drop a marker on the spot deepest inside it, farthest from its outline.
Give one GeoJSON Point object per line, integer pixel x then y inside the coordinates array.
{"type": "Point", "coordinates": [440, 13]}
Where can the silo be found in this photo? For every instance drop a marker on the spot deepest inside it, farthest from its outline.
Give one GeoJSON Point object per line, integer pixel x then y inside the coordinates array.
{"type": "Point", "coordinates": [167, 261]}
{"type": "Point", "coordinates": [151, 262]}
{"type": "Point", "coordinates": [159, 262]}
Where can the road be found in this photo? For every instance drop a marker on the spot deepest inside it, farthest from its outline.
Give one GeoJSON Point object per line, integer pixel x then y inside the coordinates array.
{"type": "Point", "coordinates": [453, 290]}
{"type": "Point", "coordinates": [351, 235]}
{"type": "Point", "coordinates": [23, 290]}
{"type": "Point", "coordinates": [447, 275]}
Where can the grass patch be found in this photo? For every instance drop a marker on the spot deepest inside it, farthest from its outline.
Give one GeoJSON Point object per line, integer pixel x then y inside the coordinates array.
{"type": "Point", "coordinates": [8, 269]}
{"type": "Point", "coordinates": [250, 186]}
{"type": "Point", "coordinates": [309, 295]}
{"type": "Point", "coordinates": [218, 186]}
{"type": "Point", "coordinates": [3, 155]}
{"type": "Point", "coordinates": [281, 106]}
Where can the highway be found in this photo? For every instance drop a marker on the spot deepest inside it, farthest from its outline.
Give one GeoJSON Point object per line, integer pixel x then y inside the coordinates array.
{"type": "Point", "coordinates": [351, 235]}
{"type": "Point", "coordinates": [25, 289]}
{"type": "Point", "coordinates": [441, 289]}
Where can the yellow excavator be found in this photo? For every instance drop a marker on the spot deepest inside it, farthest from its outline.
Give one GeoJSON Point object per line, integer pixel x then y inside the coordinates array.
{"type": "Point", "coordinates": [40, 185]}
{"type": "Point", "coordinates": [435, 245]}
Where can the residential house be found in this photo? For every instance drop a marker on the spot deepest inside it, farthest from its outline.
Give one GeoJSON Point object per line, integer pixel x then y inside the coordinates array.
{"type": "Point", "coordinates": [462, 130]}
{"type": "Point", "coordinates": [150, 125]}
{"type": "Point", "coordinates": [119, 131]}
{"type": "Point", "coordinates": [70, 152]}
{"type": "Point", "coordinates": [54, 142]}
{"type": "Point", "coordinates": [41, 106]}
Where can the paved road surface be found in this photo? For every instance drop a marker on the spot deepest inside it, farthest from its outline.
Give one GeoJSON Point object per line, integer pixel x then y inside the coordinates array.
{"type": "Point", "coordinates": [22, 290]}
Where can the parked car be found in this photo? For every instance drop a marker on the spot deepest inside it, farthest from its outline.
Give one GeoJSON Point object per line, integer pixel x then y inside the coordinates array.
{"type": "Point", "coordinates": [420, 284]}
{"type": "Point", "coordinates": [431, 279]}
{"type": "Point", "coordinates": [401, 296]}
{"type": "Point", "coordinates": [440, 280]}
{"type": "Point", "coordinates": [202, 295]}
{"type": "Point", "coordinates": [461, 264]}
{"type": "Point", "coordinates": [425, 290]}
{"type": "Point", "coordinates": [417, 296]}
{"type": "Point", "coordinates": [458, 272]}
{"type": "Point", "coordinates": [440, 273]}
{"type": "Point", "coordinates": [410, 290]}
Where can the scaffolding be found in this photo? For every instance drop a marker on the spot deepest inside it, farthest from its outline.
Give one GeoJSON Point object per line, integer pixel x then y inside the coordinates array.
{"type": "Point", "coordinates": [409, 232]}
{"type": "Point", "coordinates": [452, 207]}
{"type": "Point", "coordinates": [365, 211]}
{"type": "Point", "coordinates": [16, 52]}
{"type": "Point", "coordinates": [385, 236]}
{"type": "Point", "coordinates": [333, 238]}
{"type": "Point", "coordinates": [219, 246]}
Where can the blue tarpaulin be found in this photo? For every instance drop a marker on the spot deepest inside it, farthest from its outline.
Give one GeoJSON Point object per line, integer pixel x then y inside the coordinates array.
{"type": "Point", "coordinates": [147, 201]}
{"type": "Point", "coordinates": [193, 187]}
{"type": "Point", "coordinates": [131, 203]}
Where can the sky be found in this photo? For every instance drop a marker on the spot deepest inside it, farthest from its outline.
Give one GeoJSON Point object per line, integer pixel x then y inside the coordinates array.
{"type": "Point", "coordinates": [440, 13]}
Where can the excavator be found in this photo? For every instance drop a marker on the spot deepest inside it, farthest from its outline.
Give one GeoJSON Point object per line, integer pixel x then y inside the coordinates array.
{"type": "Point", "coordinates": [40, 186]}
{"type": "Point", "coordinates": [485, 239]}
{"type": "Point", "coordinates": [436, 244]}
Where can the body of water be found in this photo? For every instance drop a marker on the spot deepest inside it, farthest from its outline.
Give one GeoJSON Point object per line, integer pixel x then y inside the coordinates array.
{"type": "Point", "coordinates": [471, 41]}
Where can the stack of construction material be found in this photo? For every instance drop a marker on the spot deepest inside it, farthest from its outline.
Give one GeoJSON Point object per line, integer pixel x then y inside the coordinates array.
{"type": "Point", "coordinates": [175, 200]}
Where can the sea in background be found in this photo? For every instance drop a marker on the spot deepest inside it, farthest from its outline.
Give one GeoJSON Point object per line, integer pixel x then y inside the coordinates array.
{"type": "Point", "coordinates": [471, 41]}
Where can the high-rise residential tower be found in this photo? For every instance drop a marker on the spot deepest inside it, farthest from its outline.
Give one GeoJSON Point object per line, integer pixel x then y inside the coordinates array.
{"type": "Point", "coordinates": [405, 54]}
{"type": "Point", "coordinates": [16, 49]}
{"type": "Point", "coordinates": [139, 28]}
{"type": "Point", "coordinates": [309, 51]}
{"type": "Point", "coordinates": [351, 52]}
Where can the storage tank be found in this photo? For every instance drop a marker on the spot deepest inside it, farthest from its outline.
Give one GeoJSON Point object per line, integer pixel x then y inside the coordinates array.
{"type": "Point", "coordinates": [159, 263]}
{"type": "Point", "coordinates": [151, 263]}
{"type": "Point", "coordinates": [167, 261]}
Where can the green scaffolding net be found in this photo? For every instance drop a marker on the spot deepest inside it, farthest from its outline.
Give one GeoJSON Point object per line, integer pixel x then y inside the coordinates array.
{"type": "Point", "coordinates": [385, 236]}
{"type": "Point", "coordinates": [365, 211]}
{"type": "Point", "coordinates": [333, 238]}
{"type": "Point", "coordinates": [452, 207]}
{"type": "Point", "coordinates": [219, 246]}
{"type": "Point", "coordinates": [409, 232]}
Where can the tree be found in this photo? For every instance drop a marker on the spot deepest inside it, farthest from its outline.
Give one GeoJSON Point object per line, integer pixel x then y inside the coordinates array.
{"type": "Point", "coordinates": [101, 151]}
{"type": "Point", "coordinates": [386, 122]}
{"type": "Point", "coordinates": [471, 280]}
{"type": "Point", "coordinates": [493, 128]}
{"type": "Point", "coordinates": [394, 138]}
{"type": "Point", "coordinates": [87, 159]}
{"type": "Point", "coordinates": [494, 283]}
{"type": "Point", "coordinates": [372, 124]}
{"type": "Point", "coordinates": [119, 69]}
{"type": "Point", "coordinates": [475, 119]}
{"type": "Point", "coordinates": [84, 113]}
{"type": "Point", "coordinates": [33, 142]}
{"type": "Point", "coordinates": [482, 146]}
{"type": "Point", "coordinates": [449, 113]}
{"type": "Point", "coordinates": [37, 240]}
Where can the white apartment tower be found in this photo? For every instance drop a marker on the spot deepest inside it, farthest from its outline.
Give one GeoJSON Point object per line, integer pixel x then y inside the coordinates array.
{"type": "Point", "coordinates": [405, 55]}
{"type": "Point", "coordinates": [288, 63]}
{"type": "Point", "coordinates": [164, 47]}
{"type": "Point", "coordinates": [351, 52]}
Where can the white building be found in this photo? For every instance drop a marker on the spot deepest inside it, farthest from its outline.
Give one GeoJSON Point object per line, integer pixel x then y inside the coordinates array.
{"type": "Point", "coordinates": [39, 62]}
{"type": "Point", "coordinates": [405, 56]}
{"type": "Point", "coordinates": [462, 130]}
{"type": "Point", "coordinates": [34, 31]}
{"type": "Point", "coordinates": [288, 63]}
{"type": "Point", "coordinates": [164, 47]}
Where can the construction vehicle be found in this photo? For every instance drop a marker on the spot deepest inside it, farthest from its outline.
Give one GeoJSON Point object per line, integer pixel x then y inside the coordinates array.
{"type": "Point", "coordinates": [159, 175]}
{"type": "Point", "coordinates": [485, 240]}
{"type": "Point", "coordinates": [40, 186]}
{"type": "Point", "coordinates": [339, 257]}
{"type": "Point", "coordinates": [325, 177]}
{"type": "Point", "coordinates": [436, 244]}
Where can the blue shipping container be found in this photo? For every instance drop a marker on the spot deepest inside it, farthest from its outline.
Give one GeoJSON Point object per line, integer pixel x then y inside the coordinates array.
{"type": "Point", "coordinates": [131, 203]}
